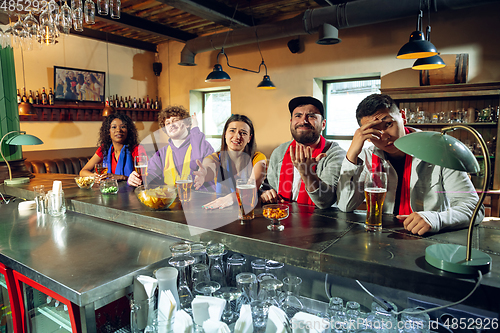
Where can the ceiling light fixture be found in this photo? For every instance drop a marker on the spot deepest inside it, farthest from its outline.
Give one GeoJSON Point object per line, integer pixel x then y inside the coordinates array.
{"type": "Point", "coordinates": [418, 46]}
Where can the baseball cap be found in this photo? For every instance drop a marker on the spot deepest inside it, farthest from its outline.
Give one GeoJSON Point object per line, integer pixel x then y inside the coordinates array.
{"type": "Point", "coordinates": [304, 100]}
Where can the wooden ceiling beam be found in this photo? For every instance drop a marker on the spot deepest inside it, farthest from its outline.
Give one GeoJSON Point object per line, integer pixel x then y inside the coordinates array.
{"type": "Point", "coordinates": [212, 11]}
{"type": "Point", "coordinates": [149, 27]}
{"type": "Point", "coordinates": [115, 39]}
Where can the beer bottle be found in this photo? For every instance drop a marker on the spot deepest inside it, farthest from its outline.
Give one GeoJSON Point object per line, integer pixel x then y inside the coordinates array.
{"type": "Point", "coordinates": [148, 102]}
{"type": "Point", "coordinates": [143, 104]}
{"type": "Point", "coordinates": [159, 104]}
{"type": "Point", "coordinates": [135, 103]}
{"type": "Point", "coordinates": [18, 97]}
{"type": "Point", "coordinates": [51, 97]}
{"type": "Point", "coordinates": [30, 98]}
{"type": "Point", "coordinates": [122, 104]}
{"type": "Point", "coordinates": [156, 103]}
{"type": "Point", "coordinates": [25, 99]}
{"type": "Point", "coordinates": [44, 97]}
{"type": "Point", "coordinates": [37, 97]}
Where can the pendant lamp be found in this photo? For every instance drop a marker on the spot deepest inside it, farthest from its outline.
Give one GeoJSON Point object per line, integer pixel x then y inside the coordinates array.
{"type": "Point", "coordinates": [418, 46]}
{"type": "Point", "coordinates": [434, 62]}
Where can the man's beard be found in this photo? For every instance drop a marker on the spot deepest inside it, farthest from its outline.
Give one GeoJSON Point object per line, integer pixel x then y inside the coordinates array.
{"type": "Point", "coordinates": [306, 137]}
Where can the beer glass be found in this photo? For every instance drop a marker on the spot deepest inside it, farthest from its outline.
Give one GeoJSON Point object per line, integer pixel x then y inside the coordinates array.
{"type": "Point", "coordinates": [375, 191]}
{"type": "Point", "coordinates": [246, 194]}
{"type": "Point", "coordinates": [141, 165]}
{"type": "Point", "coordinates": [184, 184]}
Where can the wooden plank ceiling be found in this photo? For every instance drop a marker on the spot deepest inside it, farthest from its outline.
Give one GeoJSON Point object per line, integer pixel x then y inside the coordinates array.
{"type": "Point", "coordinates": [158, 21]}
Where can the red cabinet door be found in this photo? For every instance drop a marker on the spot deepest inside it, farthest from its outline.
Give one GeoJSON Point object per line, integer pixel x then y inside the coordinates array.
{"type": "Point", "coordinates": [43, 310]}
{"type": "Point", "coordinates": [10, 319]}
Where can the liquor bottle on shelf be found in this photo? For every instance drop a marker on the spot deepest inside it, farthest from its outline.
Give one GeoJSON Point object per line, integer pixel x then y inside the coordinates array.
{"type": "Point", "coordinates": [18, 97]}
{"type": "Point", "coordinates": [125, 103]}
{"type": "Point", "coordinates": [51, 97]}
{"type": "Point", "coordinates": [37, 97]}
{"type": "Point", "coordinates": [148, 102]}
{"type": "Point", "coordinates": [156, 103]}
{"type": "Point", "coordinates": [117, 101]}
{"type": "Point", "coordinates": [44, 97]}
{"type": "Point", "coordinates": [122, 104]}
{"type": "Point", "coordinates": [135, 103]}
{"type": "Point", "coordinates": [24, 98]}
{"type": "Point", "coordinates": [139, 103]}
{"type": "Point", "coordinates": [30, 98]}
{"type": "Point", "coordinates": [143, 104]}
{"type": "Point", "coordinates": [159, 105]}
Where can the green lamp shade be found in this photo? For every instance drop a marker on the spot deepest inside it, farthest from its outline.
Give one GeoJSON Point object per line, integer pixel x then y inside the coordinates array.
{"type": "Point", "coordinates": [218, 75]}
{"type": "Point", "coordinates": [439, 149]}
{"type": "Point", "coordinates": [23, 140]}
{"type": "Point", "coordinates": [417, 47]}
{"type": "Point", "coordinates": [434, 62]}
{"type": "Point", "coordinates": [266, 83]}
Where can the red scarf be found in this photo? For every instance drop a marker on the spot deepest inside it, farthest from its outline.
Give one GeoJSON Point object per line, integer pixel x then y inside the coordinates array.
{"type": "Point", "coordinates": [404, 202]}
{"type": "Point", "coordinates": [286, 174]}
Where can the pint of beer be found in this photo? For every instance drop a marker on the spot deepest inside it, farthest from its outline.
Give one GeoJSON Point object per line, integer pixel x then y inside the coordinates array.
{"type": "Point", "coordinates": [246, 194]}
{"type": "Point", "coordinates": [375, 191]}
{"type": "Point", "coordinates": [184, 184]}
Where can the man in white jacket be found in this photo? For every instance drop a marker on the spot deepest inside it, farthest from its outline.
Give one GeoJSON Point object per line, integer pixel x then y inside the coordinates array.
{"type": "Point", "coordinates": [425, 197]}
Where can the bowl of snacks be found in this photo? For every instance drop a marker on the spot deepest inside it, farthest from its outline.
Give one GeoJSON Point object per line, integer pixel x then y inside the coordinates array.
{"type": "Point", "coordinates": [108, 186]}
{"type": "Point", "coordinates": [156, 198]}
{"type": "Point", "coordinates": [275, 213]}
{"type": "Point", "coordinates": [85, 182]}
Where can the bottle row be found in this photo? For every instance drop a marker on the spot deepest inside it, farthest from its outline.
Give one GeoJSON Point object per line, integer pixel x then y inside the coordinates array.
{"type": "Point", "coordinates": [487, 115]}
{"type": "Point", "coordinates": [31, 98]}
{"type": "Point", "coordinates": [36, 98]}
{"type": "Point", "coordinates": [129, 103]}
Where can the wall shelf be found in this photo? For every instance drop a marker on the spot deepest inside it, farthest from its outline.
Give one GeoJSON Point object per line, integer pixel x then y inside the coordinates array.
{"type": "Point", "coordinates": [84, 112]}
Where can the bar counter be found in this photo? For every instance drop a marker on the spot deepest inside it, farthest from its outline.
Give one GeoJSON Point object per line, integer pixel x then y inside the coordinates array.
{"type": "Point", "coordinates": [328, 241]}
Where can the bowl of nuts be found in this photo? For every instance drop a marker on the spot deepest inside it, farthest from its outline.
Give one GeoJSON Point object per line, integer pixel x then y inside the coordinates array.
{"type": "Point", "coordinates": [85, 182]}
{"type": "Point", "coordinates": [275, 213]}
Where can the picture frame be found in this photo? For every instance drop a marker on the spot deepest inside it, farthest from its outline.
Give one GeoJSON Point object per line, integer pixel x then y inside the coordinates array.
{"type": "Point", "coordinates": [73, 84]}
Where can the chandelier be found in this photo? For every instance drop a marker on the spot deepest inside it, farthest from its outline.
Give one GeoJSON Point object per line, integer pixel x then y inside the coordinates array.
{"type": "Point", "coordinates": [53, 20]}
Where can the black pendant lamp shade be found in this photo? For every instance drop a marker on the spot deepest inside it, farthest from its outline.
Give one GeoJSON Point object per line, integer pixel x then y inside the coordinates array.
{"type": "Point", "coordinates": [434, 62]}
{"type": "Point", "coordinates": [266, 83]}
{"type": "Point", "coordinates": [218, 75]}
{"type": "Point", "coordinates": [418, 46]}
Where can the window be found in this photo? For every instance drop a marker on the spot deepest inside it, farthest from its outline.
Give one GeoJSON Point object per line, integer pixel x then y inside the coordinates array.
{"type": "Point", "coordinates": [341, 100]}
{"type": "Point", "coordinates": [216, 110]}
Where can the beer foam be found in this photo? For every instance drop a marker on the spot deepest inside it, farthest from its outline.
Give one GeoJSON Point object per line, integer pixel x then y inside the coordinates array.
{"type": "Point", "coordinates": [246, 187]}
{"type": "Point", "coordinates": [375, 190]}
{"type": "Point", "coordinates": [183, 181]}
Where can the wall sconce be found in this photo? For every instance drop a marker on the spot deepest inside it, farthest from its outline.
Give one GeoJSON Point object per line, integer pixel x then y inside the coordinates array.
{"type": "Point", "coordinates": [21, 139]}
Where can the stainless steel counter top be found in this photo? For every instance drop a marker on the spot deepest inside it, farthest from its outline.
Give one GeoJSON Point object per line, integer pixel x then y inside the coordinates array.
{"type": "Point", "coordinates": [322, 240]}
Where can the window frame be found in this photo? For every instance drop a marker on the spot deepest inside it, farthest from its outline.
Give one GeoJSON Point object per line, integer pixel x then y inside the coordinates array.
{"type": "Point", "coordinates": [325, 101]}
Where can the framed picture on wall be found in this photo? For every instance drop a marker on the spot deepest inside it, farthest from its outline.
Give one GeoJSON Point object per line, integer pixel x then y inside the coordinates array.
{"type": "Point", "coordinates": [73, 84]}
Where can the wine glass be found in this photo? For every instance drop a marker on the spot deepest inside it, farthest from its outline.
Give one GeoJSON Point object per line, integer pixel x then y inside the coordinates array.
{"type": "Point", "coordinates": [182, 262]}
{"type": "Point", "coordinates": [64, 18]}
{"type": "Point", "coordinates": [102, 7]}
{"type": "Point", "coordinates": [141, 165]}
{"type": "Point", "coordinates": [89, 12]}
{"type": "Point", "coordinates": [207, 288]}
{"type": "Point", "coordinates": [229, 294]}
{"type": "Point", "coordinates": [78, 19]}
{"type": "Point", "coordinates": [101, 168]}
{"type": "Point", "coordinates": [275, 213]}
{"type": "Point", "coordinates": [18, 32]}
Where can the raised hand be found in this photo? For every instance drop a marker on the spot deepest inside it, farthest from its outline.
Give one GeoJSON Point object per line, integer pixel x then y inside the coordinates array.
{"type": "Point", "coordinates": [194, 121]}
{"type": "Point", "coordinates": [200, 175]}
{"type": "Point", "coordinates": [362, 134]}
{"type": "Point", "coordinates": [302, 159]}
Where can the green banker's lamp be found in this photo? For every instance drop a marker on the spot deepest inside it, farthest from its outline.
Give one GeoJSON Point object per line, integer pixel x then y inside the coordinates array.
{"type": "Point", "coordinates": [446, 151]}
{"type": "Point", "coordinates": [20, 139]}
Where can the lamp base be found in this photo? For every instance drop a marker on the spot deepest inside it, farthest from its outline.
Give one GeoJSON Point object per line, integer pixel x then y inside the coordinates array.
{"type": "Point", "coordinates": [451, 258]}
{"type": "Point", "coordinates": [16, 181]}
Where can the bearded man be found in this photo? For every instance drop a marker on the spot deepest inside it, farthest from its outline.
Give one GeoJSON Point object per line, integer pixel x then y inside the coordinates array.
{"type": "Point", "coordinates": [307, 169]}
